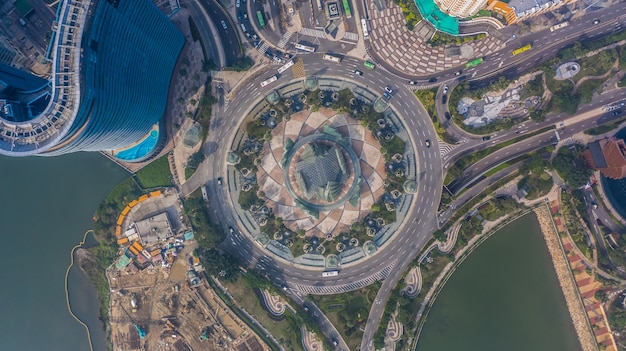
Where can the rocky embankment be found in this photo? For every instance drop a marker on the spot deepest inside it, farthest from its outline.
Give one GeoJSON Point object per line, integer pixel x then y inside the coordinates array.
{"type": "Point", "coordinates": [568, 285]}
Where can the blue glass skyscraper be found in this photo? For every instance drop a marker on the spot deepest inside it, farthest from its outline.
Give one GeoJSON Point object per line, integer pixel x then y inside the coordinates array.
{"type": "Point", "coordinates": [112, 65]}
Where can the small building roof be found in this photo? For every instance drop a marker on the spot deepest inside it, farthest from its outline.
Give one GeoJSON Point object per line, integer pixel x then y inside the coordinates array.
{"type": "Point", "coordinates": [154, 229]}
{"type": "Point", "coordinates": [597, 155]}
{"type": "Point", "coordinates": [188, 235]}
{"type": "Point", "coordinates": [122, 262]}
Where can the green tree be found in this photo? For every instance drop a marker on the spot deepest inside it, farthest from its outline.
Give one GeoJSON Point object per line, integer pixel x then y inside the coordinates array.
{"type": "Point", "coordinates": [208, 65]}
{"type": "Point", "coordinates": [219, 264]}
{"type": "Point", "coordinates": [569, 166]}
{"type": "Point", "coordinates": [243, 64]}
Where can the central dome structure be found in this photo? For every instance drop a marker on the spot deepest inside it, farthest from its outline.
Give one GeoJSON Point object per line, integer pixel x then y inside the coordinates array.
{"type": "Point", "coordinates": [321, 171]}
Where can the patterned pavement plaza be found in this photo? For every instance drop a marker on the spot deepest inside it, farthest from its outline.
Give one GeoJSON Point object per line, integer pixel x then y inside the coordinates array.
{"type": "Point", "coordinates": [407, 51]}
{"type": "Point", "coordinates": [272, 180]}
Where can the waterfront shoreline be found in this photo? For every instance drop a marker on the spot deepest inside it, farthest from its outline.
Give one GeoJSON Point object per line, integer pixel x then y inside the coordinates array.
{"type": "Point", "coordinates": [566, 280]}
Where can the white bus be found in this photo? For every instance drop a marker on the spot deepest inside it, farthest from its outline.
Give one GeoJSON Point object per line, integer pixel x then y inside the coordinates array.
{"type": "Point", "coordinates": [330, 273]}
{"type": "Point", "coordinates": [269, 81]}
{"type": "Point", "coordinates": [205, 195]}
{"type": "Point", "coordinates": [366, 34]}
{"type": "Point", "coordinates": [559, 26]}
{"type": "Point", "coordinates": [319, 5]}
{"type": "Point", "coordinates": [332, 58]}
{"type": "Point", "coordinates": [285, 67]}
{"type": "Point", "coordinates": [305, 48]}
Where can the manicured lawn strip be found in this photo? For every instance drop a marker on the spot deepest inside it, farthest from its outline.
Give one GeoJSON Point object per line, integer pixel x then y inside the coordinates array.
{"type": "Point", "coordinates": [280, 329]}
{"type": "Point", "coordinates": [348, 311]}
{"type": "Point", "coordinates": [605, 127]}
{"type": "Point", "coordinates": [243, 317]}
{"type": "Point", "coordinates": [505, 165]}
{"type": "Point", "coordinates": [596, 65]}
{"type": "Point", "coordinates": [156, 174]}
{"type": "Point", "coordinates": [457, 168]}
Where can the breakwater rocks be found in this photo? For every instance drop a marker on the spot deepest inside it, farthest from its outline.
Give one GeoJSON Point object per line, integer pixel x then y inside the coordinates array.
{"type": "Point", "coordinates": [566, 280]}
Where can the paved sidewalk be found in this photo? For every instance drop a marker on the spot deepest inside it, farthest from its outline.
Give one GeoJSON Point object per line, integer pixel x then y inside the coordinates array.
{"type": "Point", "coordinates": [406, 51]}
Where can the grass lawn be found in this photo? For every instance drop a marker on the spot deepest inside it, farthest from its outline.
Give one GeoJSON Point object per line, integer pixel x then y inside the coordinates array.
{"type": "Point", "coordinates": [282, 330]}
{"type": "Point", "coordinates": [558, 85]}
{"type": "Point", "coordinates": [348, 312]}
{"type": "Point", "coordinates": [156, 174]}
{"type": "Point", "coordinates": [539, 184]}
{"type": "Point", "coordinates": [596, 65]}
{"type": "Point", "coordinates": [587, 88]}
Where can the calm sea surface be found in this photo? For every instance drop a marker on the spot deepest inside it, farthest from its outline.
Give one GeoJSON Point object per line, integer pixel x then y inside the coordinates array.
{"type": "Point", "coordinates": [504, 296]}
{"type": "Point", "coordinates": [46, 205]}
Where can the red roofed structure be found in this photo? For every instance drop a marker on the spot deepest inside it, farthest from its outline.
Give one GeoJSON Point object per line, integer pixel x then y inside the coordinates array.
{"type": "Point", "coordinates": [608, 156]}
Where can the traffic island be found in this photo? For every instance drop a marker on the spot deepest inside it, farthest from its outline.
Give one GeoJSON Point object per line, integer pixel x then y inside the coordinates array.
{"type": "Point", "coordinates": [323, 176]}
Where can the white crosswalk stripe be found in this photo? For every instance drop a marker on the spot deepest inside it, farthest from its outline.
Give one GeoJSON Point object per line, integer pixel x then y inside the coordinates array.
{"type": "Point", "coordinates": [284, 39]}
{"type": "Point", "coordinates": [351, 36]}
{"type": "Point", "coordinates": [337, 289]}
{"type": "Point", "coordinates": [262, 47]}
{"type": "Point", "coordinates": [445, 148]}
{"type": "Point", "coordinates": [313, 33]}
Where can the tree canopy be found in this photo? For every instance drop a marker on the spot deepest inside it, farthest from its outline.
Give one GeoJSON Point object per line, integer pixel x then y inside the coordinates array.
{"type": "Point", "coordinates": [570, 167]}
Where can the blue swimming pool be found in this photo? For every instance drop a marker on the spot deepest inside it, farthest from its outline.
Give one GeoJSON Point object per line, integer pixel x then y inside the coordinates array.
{"type": "Point", "coordinates": [141, 150]}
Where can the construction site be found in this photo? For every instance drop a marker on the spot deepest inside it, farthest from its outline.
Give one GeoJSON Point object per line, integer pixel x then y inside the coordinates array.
{"type": "Point", "coordinates": [162, 309]}
{"type": "Point", "coordinates": [159, 296]}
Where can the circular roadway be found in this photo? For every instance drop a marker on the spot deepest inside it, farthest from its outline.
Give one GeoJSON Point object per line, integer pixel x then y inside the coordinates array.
{"type": "Point", "coordinates": [420, 221]}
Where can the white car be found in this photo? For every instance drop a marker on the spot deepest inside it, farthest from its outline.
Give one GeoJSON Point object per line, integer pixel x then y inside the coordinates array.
{"type": "Point", "coordinates": [388, 89]}
{"type": "Point", "coordinates": [238, 3]}
{"type": "Point", "coordinates": [445, 89]}
{"type": "Point", "coordinates": [224, 24]}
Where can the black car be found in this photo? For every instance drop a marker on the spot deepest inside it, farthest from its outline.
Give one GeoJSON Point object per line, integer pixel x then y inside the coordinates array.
{"type": "Point", "coordinates": [485, 138]}
{"type": "Point", "coordinates": [444, 99]}
{"type": "Point", "coordinates": [448, 116]}
{"type": "Point", "coordinates": [432, 80]}
{"type": "Point", "coordinates": [461, 78]}
{"type": "Point", "coordinates": [617, 112]}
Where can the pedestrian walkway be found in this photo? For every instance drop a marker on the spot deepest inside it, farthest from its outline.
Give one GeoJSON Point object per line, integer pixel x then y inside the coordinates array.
{"type": "Point", "coordinates": [407, 51]}
{"type": "Point", "coordinates": [262, 47]}
{"type": "Point", "coordinates": [313, 33]}
{"type": "Point", "coordinates": [351, 36]}
{"type": "Point", "coordinates": [337, 289]}
{"type": "Point", "coordinates": [445, 148]}
{"type": "Point", "coordinates": [284, 39]}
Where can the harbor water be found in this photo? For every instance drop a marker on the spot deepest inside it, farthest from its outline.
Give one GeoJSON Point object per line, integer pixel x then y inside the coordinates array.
{"type": "Point", "coordinates": [47, 204]}
{"type": "Point", "coordinates": [504, 296]}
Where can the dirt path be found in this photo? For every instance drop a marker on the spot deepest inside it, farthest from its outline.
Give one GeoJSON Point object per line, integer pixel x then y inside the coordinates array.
{"type": "Point", "coordinates": [604, 76]}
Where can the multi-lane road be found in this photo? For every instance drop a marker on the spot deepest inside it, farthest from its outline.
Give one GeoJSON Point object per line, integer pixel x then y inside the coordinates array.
{"type": "Point", "coordinates": [394, 256]}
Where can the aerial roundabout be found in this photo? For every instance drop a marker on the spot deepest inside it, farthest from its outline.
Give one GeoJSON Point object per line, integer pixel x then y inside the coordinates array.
{"type": "Point", "coordinates": [323, 171]}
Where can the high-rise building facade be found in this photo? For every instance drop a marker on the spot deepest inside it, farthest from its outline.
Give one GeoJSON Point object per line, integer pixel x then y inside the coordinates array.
{"type": "Point", "coordinates": [112, 65]}
{"type": "Point", "coordinates": [461, 8]}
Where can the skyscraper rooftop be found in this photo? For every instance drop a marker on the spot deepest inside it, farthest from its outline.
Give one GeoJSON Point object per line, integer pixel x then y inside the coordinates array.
{"type": "Point", "coordinates": [113, 62]}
